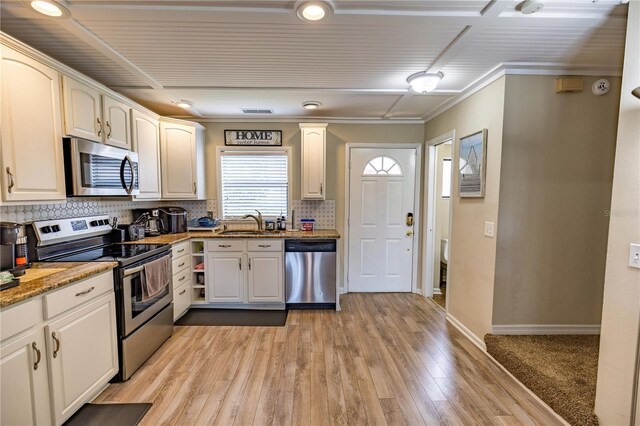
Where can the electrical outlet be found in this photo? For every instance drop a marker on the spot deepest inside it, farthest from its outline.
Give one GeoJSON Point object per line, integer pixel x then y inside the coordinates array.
{"type": "Point", "coordinates": [634, 255]}
{"type": "Point", "coordinates": [210, 215]}
{"type": "Point", "coordinates": [489, 229]}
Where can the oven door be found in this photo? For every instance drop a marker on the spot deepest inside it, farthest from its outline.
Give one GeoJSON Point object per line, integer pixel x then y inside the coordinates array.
{"type": "Point", "coordinates": [96, 169]}
{"type": "Point", "coordinates": [135, 308]}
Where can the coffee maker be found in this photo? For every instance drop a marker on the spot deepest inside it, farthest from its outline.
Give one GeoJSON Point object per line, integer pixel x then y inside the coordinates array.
{"type": "Point", "coordinates": [13, 248]}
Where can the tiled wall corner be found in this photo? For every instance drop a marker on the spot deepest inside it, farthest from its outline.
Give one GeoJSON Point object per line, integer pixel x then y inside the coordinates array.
{"type": "Point", "coordinates": [323, 211]}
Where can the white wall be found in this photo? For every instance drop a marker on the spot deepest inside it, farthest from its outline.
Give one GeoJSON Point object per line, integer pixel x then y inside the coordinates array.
{"type": "Point", "coordinates": [621, 310]}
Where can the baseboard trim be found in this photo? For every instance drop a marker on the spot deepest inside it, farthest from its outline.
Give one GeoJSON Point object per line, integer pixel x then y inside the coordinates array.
{"type": "Point", "coordinates": [546, 329]}
{"type": "Point", "coordinates": [464, 330]}
{"type": "Point", "coordinates": [437, 291]}
{"type": "Point", "coordinates": [481, 345]}
{"type": "Point", "coordinates": [419, 291]}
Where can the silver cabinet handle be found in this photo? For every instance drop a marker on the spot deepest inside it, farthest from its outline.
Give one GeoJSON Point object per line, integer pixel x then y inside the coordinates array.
{"type": "Point", "coordinates": [240, 263]}
{"type": "Point", "coordinates": [180, 251]}
{"type": "Point", "coordinates": [182, 278]}
{"type": "Point", "coordinates": [195, 187]}
{"type": "Point", "coordinates": [224, 245]}
{"type": "Point", "coordinates": [181, 265]}
{"type": "Point", "coordinates": [264, 245]}
{"type": "Point", "coordinates": [249, 263]}
{"type": "Point", "coordinates": [182, 292]}
{"type": "Point", "coordinates": [99, 126]}
{"type": "Point", "coordinates": [56, 349]}
{"type": "Point", "coordinates": [85, 292]}
{"type": "Point", "coordinates": [109, 130]}
{"type": "Point", "coordinates": [12, 182]}
{"type": "Point", "coordinates": [320, 188]}
{"type": "Point", "coordinates": [38, 355]}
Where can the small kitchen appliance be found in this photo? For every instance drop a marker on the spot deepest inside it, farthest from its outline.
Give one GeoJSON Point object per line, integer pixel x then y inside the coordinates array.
{"type": "Point", "coordinates": [174, 219]}
{"type": "Point", "coordinates": [13, 252]}
{"type": "Point", "coordinates": [143, 322]}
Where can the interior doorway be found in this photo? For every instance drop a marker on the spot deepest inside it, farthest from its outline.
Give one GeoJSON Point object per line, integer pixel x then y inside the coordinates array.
{"type": "Point", "coordinates": [439, 176]}
{"type": "Point", "coordinates": [383, 184]}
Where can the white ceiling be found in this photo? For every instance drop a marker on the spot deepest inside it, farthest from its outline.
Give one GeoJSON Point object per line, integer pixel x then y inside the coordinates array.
{"type": "Point", "coordinates": [227, 55]}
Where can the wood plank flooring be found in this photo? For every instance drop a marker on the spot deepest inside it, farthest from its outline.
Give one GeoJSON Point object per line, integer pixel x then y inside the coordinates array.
{"type": "Point", "coordinates": [384, 359]}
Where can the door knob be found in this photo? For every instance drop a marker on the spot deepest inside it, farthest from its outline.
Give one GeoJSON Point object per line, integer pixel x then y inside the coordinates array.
{"type": "Point", "coordinates": [409, 233]}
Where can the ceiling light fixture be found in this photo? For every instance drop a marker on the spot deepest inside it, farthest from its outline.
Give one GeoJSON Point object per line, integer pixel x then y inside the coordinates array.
{"type": "Point", "coordinates": [51, 8]}
{"type": "Point", "coordinates": [424, 82]}
{"type": "Point", "coordinates": [313, 10]}
{"type": "Point", "coordinates": [184, 104]}
{"type": "Point", "coordinates": [311, 105]}
{"type": "Point", "coordinates": [528, 7]}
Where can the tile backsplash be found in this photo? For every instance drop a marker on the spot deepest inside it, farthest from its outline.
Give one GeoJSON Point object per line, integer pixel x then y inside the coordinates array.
{"type": "Point", "coordinates": [324, 212]}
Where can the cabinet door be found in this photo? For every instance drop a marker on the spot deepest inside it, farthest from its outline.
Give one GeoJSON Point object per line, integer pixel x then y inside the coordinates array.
{"type": "Point", "coordinates": [82, 116]}
{"type": "Point", "coordinates": [24, 393]}
{"type": "Point", "coordinates": [31, 130]}
{"type": "Point", "coordinates": [225, 278]}
{"type": "Point", "coordinates": [313, 163]}
{"type": "Point", "coordinates": [177, 148]}
{"type": "Point", "coordinates": [117, 123]}
{"type": "Point", "coordinates": [266, 283]}
{"type": "Point", "coordinates": [146, 142]}
{"type": "Point", "coordinates": [83, 355]}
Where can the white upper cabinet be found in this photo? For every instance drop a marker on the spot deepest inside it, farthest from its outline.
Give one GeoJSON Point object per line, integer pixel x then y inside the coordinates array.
{"type": "Point", "coordinates": [117, 130]}
{"type": "Point", "coordinates": [31, 124]}
{"type": "Point", "coordinates": [82, 110]}
{"type": "Point", "coordinates": [146, 142]}
{"type": "Point", "coordinates": [93, 115]}
{"type": "Point", "coordinates": [313, 167]}
{"type": "Point", "coordinates": [182, 159]}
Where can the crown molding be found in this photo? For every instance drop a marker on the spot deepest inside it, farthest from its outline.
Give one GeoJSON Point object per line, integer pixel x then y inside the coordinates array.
{"type": "Point", "coordinates": [305, 119]}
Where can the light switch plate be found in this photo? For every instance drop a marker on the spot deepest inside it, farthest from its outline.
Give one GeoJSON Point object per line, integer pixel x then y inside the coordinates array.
{"type": "Point", "coordinates": [489, 229]}
{"type": "Point", "coordinates": [634, 255]}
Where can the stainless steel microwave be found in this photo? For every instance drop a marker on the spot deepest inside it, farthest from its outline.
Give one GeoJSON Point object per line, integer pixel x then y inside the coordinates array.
{"type": "Point", "coordinates": [96, 170]}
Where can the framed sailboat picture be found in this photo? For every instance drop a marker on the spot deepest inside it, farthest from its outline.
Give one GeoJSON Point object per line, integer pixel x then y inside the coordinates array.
{"type": "Point", "coordinates": [472, 164]}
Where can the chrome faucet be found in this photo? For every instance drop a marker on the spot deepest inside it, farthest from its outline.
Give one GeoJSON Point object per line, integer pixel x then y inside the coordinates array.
{"type": "Point", "coordinates": [257, 219]}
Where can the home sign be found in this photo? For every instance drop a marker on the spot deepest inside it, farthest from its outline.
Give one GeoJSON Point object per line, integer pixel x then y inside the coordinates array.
{"type": "Point", "coordinates": [253, 137]}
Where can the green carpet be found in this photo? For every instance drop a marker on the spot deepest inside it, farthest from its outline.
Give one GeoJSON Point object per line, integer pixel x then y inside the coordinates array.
{"type": "Point", "coordinates": [561, 370]}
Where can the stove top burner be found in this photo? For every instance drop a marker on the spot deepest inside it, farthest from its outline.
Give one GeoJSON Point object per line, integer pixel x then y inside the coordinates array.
{"type": "Point", "coordinates": [114, 253]}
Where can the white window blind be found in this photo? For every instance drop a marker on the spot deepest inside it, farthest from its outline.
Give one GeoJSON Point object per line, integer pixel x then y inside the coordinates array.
{"type": "Point", "coordinates": [254, 181]}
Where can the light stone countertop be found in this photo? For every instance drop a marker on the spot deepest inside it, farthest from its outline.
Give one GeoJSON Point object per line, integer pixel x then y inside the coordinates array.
{"type": "Point", "coordinates": [71, 272]}
{"type": "Point", "coordinates": [177, 238]}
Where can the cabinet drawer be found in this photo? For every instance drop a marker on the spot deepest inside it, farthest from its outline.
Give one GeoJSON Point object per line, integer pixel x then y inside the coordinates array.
{"type": "Point", "coordinates": [77, 294]}
{"type": "Point", "coordinates": [183, 276]}
{"type": "Point", "coordinates": [177, 265]}
{"type": "Point", "coordinates": [181, 300]}
{"type": "Point", "coordinates": [265, 245]}
{"type": "Point", "coordinates": [226, 245]}
{"type": "Point", "coordinates": [16, 319]}
{"type": "Point", "coordinates": [180, 249]}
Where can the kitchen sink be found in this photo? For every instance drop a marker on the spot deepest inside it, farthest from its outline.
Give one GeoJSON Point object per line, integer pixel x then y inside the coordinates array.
{"type": "Point", "coordinates": [247, 232]}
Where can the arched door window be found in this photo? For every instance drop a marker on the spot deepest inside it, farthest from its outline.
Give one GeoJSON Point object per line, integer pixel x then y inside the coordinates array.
{"type": "Point", "coordinates": [382, 166]}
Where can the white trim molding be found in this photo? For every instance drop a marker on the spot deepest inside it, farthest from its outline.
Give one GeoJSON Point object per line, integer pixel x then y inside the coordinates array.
{"type": "Point", "coordinates": [546, 329]}
{"type": "Point", "coordinates": [467, 333]}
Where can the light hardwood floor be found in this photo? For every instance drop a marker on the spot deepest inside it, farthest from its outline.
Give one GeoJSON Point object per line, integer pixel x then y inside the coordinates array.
{"type": "Point", "coordinates": [384, 359]}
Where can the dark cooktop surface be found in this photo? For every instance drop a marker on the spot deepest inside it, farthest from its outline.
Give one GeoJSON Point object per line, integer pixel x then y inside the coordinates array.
{"type": "Point", "coordinates": [115, 253]}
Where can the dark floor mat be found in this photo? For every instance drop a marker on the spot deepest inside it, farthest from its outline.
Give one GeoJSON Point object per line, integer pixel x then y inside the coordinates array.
{"type": "Point", "coordinates": [109, 415]}
{"type": "Point", "coordinates": [560, 369]}
{"type": "Point", "coordinates": [234, 317]}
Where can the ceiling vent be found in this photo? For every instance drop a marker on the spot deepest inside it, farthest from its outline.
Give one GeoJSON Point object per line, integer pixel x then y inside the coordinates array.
{"type": "Point", "coordinates": [257, 111]}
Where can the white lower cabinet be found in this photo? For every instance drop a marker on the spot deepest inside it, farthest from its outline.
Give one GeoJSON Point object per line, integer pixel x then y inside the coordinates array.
{"type": "Point", "coordinates": [225, 277]}
{"type": "Point", "coordinates": [24, 393]}
{"type": "Point", "coordinates": [181, 300]}
{"type": "Point", "coordinates": [245, 272]}
{"type": "Point", "coordinates": [57, 351]}
{"type": "Point", "coordinates": [82, 355]}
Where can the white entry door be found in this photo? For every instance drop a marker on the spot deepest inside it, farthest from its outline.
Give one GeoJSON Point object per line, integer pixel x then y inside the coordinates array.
{"type": "Point", "coordinates": [381, 201]}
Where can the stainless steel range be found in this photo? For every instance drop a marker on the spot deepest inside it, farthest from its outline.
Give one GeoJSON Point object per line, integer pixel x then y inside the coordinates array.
{"type": "Point", "coordinates": [144, 297]}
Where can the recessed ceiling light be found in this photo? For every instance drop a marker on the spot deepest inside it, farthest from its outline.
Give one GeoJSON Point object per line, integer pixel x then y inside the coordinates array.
{"type": "Point", "coordinates": [311, 105]}
{"type": "Point", "coordinates": [313, 10]}
{"type": "Point", "coordinates": [424, 82]}
{"type": "Point", "coordinates": [528, 7]}
{"type": "Point", "coordinates": [51, 8]}
{"type": "Point", "coordinates": [184, 104]}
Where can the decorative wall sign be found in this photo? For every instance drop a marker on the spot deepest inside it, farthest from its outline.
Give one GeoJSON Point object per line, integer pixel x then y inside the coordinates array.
{"type": "Point", "coordinates": [473, 161]}
{"type": "Point", "coordinates": [253, 137]}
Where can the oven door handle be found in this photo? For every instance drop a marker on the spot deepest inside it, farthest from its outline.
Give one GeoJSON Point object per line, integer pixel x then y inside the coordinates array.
{"type": "Point", "coordinates": [132, 271]}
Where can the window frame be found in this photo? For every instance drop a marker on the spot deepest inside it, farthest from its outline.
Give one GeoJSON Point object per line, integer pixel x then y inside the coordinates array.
{"type": "Point", "coordinates": [250, 150]}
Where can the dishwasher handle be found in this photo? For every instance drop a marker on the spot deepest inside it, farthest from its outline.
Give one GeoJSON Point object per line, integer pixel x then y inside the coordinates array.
{"type": "Point", "coordinates": [310, 245]}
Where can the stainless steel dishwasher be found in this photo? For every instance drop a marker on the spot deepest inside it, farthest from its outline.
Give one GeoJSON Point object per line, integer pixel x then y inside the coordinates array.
{"type": "Point", "coordinates": [310, 279]}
